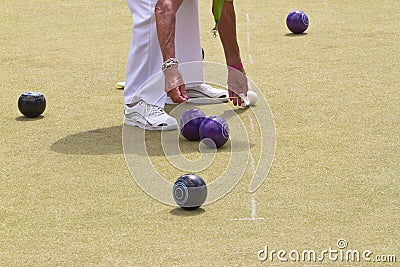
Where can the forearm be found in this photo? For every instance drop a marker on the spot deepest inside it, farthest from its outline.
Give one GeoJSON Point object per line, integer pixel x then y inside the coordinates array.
{"type": "Point", "coordinates": [227, 33]}
{"type": "Point", "coordinates": [165, 12]}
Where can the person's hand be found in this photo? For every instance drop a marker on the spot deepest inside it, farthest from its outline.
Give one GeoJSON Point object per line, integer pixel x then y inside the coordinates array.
{"type": "Point", "coordinates": [174, 85]}
{"type": "Point", "coordinates": [178, 94]}
{"type": "Point", "coordinates": [237, 85]}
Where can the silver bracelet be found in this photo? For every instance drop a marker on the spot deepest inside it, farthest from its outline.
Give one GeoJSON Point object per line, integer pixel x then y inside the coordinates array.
{"type": "Point", "coordinates": [169, 63]}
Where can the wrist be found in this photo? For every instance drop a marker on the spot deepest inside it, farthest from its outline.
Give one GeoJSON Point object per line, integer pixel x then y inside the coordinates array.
{"type": "Point", "coordinates": [238, 66]}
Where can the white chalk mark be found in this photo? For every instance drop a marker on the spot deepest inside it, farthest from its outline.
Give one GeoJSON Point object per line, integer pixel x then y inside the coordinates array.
{"type": "Point", "coordinates": [253, 208]}
{"type": "Point", "coordinates": [253, 212]}
{"type": "Point", "coordinates": [248, 29]}
{"type": "Point", "coordinates": [252, 161]}
{"type": "Point", "coordinates": [248, 36]}
{"type": "Point", "coordinates": [248, 219]}
{"type": "Point", "coordinates": [250, 59]}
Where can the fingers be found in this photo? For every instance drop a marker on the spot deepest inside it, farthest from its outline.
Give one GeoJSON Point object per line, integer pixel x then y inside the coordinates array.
{"type": "Point", "coordinates": [174, 85]}
{"type": "Point", "coordinates": [235, 101]}
{"type": "Point", "coordinates": [235, 98]}
{"type": "Point", "coordinates": [182, 90]}
{"type": "Point", "coordinates": [177, 96]}
{"type": "Point", "coordinates": [231, 95]}
{"type": "Point", "coordinates": [237, 84]}
{"type": "Point", "coordinates": [239, 101]}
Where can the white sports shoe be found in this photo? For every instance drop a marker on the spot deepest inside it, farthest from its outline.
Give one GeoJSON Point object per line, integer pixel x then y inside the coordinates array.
{"type": "Point", "coordinates": [149, 117]}
{"type": "Point", "coordinates": [204, 94]}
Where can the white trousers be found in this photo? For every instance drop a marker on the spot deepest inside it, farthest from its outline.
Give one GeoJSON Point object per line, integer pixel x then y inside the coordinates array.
{"type": "Point", "coordinates": [145, 58]}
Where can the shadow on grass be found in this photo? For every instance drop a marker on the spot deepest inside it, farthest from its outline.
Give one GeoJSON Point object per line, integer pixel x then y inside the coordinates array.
{"type": "Point", "coordinates": [152, 143]}
{"type": "Point", "coordinates": [104, 141]}
{"type": "Point", "coordinates": [296, 34]}
{"type": "Point", "coordinates": [108, 141]}
{"type": "Point", "coordinates": [187, 213]}
{"type": "Point", "coordinates": [23, 118]}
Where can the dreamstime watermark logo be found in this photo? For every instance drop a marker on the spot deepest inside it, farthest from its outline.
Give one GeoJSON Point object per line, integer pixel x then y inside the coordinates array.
{"type": "Point", "coordinates": [340, 253]}
{"type": "Point", "coordinates": [141, 150]}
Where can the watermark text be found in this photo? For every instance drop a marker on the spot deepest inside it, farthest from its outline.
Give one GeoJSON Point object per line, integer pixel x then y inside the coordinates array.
{"type": "Point", "coordinates": [340, 253]}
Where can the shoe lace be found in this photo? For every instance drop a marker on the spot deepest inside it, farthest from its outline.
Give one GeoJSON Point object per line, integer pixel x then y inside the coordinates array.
{"type": "Point", "coordinates": [153, 110]}
{"type": "Point", "coordinates": [205, 87]}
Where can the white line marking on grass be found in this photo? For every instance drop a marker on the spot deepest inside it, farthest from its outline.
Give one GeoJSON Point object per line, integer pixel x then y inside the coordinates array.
{"type": "Point", "coordinates": [247, 28]}
{"type": "Point", "coordinates": [247, 18]}
{"type": "Point", "coordinates": [248, 36]}
{"type": "Point", "coordinates": [253, 213]}
{"type": "Point", "coordinates": [253, 208]}
{"type": "Point", "coordinates": [252, 161]}
{"type": "Point", "coordinates": [248, 219]}
{"type": "Point", "coordinates": [250, 59]}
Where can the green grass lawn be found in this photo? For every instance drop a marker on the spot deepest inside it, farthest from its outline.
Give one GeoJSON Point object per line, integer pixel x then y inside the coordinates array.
{"type": "Point", "coordinates": [67, 196]}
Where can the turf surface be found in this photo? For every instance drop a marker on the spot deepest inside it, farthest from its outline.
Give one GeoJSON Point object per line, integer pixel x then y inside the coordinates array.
{"type": "Point", "coordinates": [67, 197]}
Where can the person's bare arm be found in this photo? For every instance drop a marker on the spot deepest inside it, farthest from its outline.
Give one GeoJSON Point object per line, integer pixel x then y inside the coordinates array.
{"type": "Point", "coordinates": [227, 33]}
{"type": "Point", "coordinates": [165, 12]}
{"type": "Point", "coordinates": [237, 80]}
